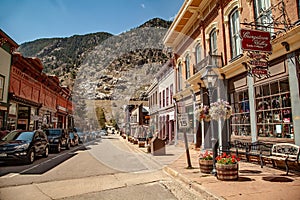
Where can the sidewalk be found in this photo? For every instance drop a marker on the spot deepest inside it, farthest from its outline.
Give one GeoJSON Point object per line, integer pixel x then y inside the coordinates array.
{"type": "Point", "coordinates": [254, 182]}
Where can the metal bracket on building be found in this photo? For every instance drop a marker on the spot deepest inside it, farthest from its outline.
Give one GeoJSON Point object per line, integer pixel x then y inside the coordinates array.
{"type": "Point", "coordinates": [277, 25]}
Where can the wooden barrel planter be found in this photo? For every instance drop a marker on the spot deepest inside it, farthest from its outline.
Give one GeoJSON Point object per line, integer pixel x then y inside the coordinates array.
{"type": "Point", "coordinates": [206, 166]}
{"type": "Point", "coordinates": [227, 172]}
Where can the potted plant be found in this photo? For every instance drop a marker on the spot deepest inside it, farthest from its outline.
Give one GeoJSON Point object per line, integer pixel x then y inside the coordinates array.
{"type": "Point", "coordinates": [206, 162]}
{"type": "Point", "coordinates": [227, 167]}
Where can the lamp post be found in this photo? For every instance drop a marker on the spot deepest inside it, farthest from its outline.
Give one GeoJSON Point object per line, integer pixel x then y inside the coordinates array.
{"type": "Point", "coordinates": [209, 78]}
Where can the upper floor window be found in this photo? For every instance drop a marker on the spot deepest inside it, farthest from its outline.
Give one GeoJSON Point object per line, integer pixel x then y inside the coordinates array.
{"type": "Point", "coordinates": [187, 66]}
{"type": "Point", "coordinates": [1, 86]}
{"type": "Point", "coordinates": [167, 96]}
{"type": "Point", "coordinates": [164, 98]}
{"type": "Point", "coordinates": [234, 34]}
{"type": "Point", "coordinates": [213, 42]}
{"type": "Point", "coordinates": [160, 100]}
{"type": "Point", "coordinates": [198, 53]}
{"type": "Point", "coordinates": [179, 76]}
{"type": "Point", "coordinates": [263, 15]}
{"type": "Point", "coordinates": [171, 92]}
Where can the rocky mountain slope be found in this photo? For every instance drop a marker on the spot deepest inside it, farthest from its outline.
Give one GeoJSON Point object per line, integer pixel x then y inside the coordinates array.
{"type": "Point", "coordinates": [104, 67]}
{"type": "Point", "coordinates": [63, 56]}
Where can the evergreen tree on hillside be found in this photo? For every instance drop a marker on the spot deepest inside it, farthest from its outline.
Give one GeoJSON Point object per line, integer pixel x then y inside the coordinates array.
{"type": "Point", "coordinates": [100, 117]}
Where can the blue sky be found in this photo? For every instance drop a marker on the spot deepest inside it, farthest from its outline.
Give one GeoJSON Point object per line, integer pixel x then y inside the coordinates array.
{"type": "Point", "coordinates": [27, 20]}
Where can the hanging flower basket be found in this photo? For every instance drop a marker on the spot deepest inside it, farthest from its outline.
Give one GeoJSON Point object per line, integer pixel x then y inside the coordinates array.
{"type": "Point", "coordinates": [203, 113]}
{"type": "Point", "coordinates": [220, 110]}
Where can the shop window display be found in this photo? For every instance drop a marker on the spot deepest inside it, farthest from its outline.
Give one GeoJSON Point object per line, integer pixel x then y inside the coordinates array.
{"type": "Point", "coordinates": [240, 120]}
{"type": "Point", "coordinates": [273, 110]}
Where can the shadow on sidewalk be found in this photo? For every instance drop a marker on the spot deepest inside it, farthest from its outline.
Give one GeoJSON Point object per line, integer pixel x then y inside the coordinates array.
{"type": "Point", "coordinates": [277, 179]}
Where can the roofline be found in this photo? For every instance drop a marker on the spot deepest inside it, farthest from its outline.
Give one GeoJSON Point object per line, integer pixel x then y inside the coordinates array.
{"type": "Point", "coordinates": [10, 40]}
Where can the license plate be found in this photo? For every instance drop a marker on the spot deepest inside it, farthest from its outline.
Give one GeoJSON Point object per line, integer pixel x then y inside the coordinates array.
{"type": "Point", "coordinates": [3, 154]}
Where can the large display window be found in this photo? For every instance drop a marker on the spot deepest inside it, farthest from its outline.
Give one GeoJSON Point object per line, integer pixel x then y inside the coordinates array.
{"type": "Point", "coordinates": [240, 120]}
{"type": "Point", "coordinates": [273, 109]}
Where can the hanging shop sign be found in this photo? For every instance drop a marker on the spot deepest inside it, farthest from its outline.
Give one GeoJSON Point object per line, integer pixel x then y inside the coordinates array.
{"type": "Point", "coordinates": [258, 45]}
{"type": "Point", "coordinates": [254, 40]}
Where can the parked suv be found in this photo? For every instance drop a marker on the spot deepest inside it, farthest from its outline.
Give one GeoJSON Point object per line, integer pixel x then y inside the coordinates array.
{"type": "Point", "coordinates": [58, 138]}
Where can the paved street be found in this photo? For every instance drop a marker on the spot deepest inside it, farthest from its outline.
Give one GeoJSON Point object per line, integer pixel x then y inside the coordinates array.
{"type": "Point", "coordinates": [113, 168]}
{"type": "Point", "coordinates": [109, 168]}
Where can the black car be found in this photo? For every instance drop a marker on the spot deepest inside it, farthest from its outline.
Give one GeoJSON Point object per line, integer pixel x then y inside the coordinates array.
{"type": "Point", "coordinates": [20, 145]}
{"type": "Point", "coordinates": [58, 138]}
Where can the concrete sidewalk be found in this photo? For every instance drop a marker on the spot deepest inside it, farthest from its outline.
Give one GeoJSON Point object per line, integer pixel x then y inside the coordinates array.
{"type": "Point", "coordinates": [254, 182]}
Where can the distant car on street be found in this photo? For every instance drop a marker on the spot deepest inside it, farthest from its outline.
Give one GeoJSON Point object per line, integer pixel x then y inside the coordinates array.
{"type": "Point", "coordinates": [74, 139]}
{"type": "Point", "coordinates": [58, 138]}
{"type": "Point", "coordinates": [103, 132]}
{"type": "Point", "coordinates": [20, 145]}
{"type": "Point", "coordinates": [82, 137]}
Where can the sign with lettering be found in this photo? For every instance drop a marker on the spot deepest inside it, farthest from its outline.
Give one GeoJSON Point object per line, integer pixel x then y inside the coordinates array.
{"type": "Point", "coordinates": [259, 71]}
{"type": "Point", "coordinates": [183, 120]}
{"type": "Point", "coordinates": [258, 63]}
{"type": "Point", "coordinates": [254, 40]}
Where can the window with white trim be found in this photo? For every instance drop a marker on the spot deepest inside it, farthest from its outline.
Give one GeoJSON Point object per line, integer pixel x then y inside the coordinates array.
{"type": "Point", "coordinates": [235, 39]}
{"type": "Point", "coordinates": [213, 42]}
{"type": "Point", "coordinates": [265, 21]}
{"type": "Point", "coordinates": [179, 76]}
{"type": "Point", "coordinates": [187, 66]}
{"type": "Point", "coordinates": [198, 53]}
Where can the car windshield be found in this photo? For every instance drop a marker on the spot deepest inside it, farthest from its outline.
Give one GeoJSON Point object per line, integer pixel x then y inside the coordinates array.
{"type": "Point", "coordinates": [17, 135]}
{"type": "Point", "coordinates": [53, 132]}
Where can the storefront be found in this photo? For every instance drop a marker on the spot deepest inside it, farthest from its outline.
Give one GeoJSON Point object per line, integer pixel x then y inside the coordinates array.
{"type": "Point", "coordinates": [263, 109]}
{"type": "Point", "coordinates": [22, 114]}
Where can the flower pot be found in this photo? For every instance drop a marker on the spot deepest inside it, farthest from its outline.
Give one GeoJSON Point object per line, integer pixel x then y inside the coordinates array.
{"type": "Point", "coordinates": [206, 166]}
{"type": "Point", "coordinates": [227, 172]}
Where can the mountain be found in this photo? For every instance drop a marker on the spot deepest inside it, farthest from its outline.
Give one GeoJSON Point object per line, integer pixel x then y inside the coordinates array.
{"type": "Point", "coordinates": [63, 56]}
{"type": "Point", "coordinates": [105, 68]}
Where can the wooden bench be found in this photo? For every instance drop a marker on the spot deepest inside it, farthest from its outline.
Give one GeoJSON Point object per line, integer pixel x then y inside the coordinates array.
{"type": "Point", "coordinates": [284, 152]}
{"type": "Point", "coordinates": [255, 149]}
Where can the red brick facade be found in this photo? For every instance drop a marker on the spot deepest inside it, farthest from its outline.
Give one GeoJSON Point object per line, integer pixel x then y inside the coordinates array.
{"type": "Point", "coordinates": [37, 100]}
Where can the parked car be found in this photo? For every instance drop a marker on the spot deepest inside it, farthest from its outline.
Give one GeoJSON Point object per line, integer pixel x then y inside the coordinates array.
{"type": "Point", "coordinates": [82, 137]}
{"type": "Point", "coordinates": [20, 145]}
{"type": "Point", "coordinates": [74, 139]}
{"type": "Point", "coordinates": [58, 138]}
{"type": "Point", "coordinates": [103, 132]}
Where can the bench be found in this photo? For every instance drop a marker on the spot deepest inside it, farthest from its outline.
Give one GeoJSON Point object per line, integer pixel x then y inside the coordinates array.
{"type": "Point", "coordinates": [255, 149]}
{"type": "Point", "coordinates": [236, 147]}
{"type": "Point", "coordinates": [284, 152]}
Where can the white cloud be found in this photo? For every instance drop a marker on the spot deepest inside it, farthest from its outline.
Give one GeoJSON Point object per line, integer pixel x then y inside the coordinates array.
{"type": "Point", "coordinates": [143, 5]}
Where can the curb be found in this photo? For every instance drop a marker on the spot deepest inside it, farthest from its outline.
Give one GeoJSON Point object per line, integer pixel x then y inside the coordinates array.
{"type": "Point", "coordinates": [194, 185]}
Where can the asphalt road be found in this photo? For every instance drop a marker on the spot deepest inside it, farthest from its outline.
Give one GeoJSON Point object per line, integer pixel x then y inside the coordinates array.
{"type": "Point", "coordinates": [104, 169]}
{"type": "Point", "coordinates": [40, 165]}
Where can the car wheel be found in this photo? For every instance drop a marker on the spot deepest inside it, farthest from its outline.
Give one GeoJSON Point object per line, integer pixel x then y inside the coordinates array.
{"type": "Point", "coordinates": [58, 148]}
{"type": "Point", "coordinates": [46, 153]}
{"type": "Point", "coordinates": [30, 156]}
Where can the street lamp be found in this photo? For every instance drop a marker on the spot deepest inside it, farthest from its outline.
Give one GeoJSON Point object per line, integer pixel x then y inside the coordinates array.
{"type": "Point", "coordinates": [209, 78]}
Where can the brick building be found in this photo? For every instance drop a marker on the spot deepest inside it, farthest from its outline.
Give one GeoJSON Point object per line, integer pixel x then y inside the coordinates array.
{"type": "Point", "coordinates": [206, 38]}
{"type": "Point", "coordinates": [36, 99]}
{"type": "Point", "coordinates": [30, 99]}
